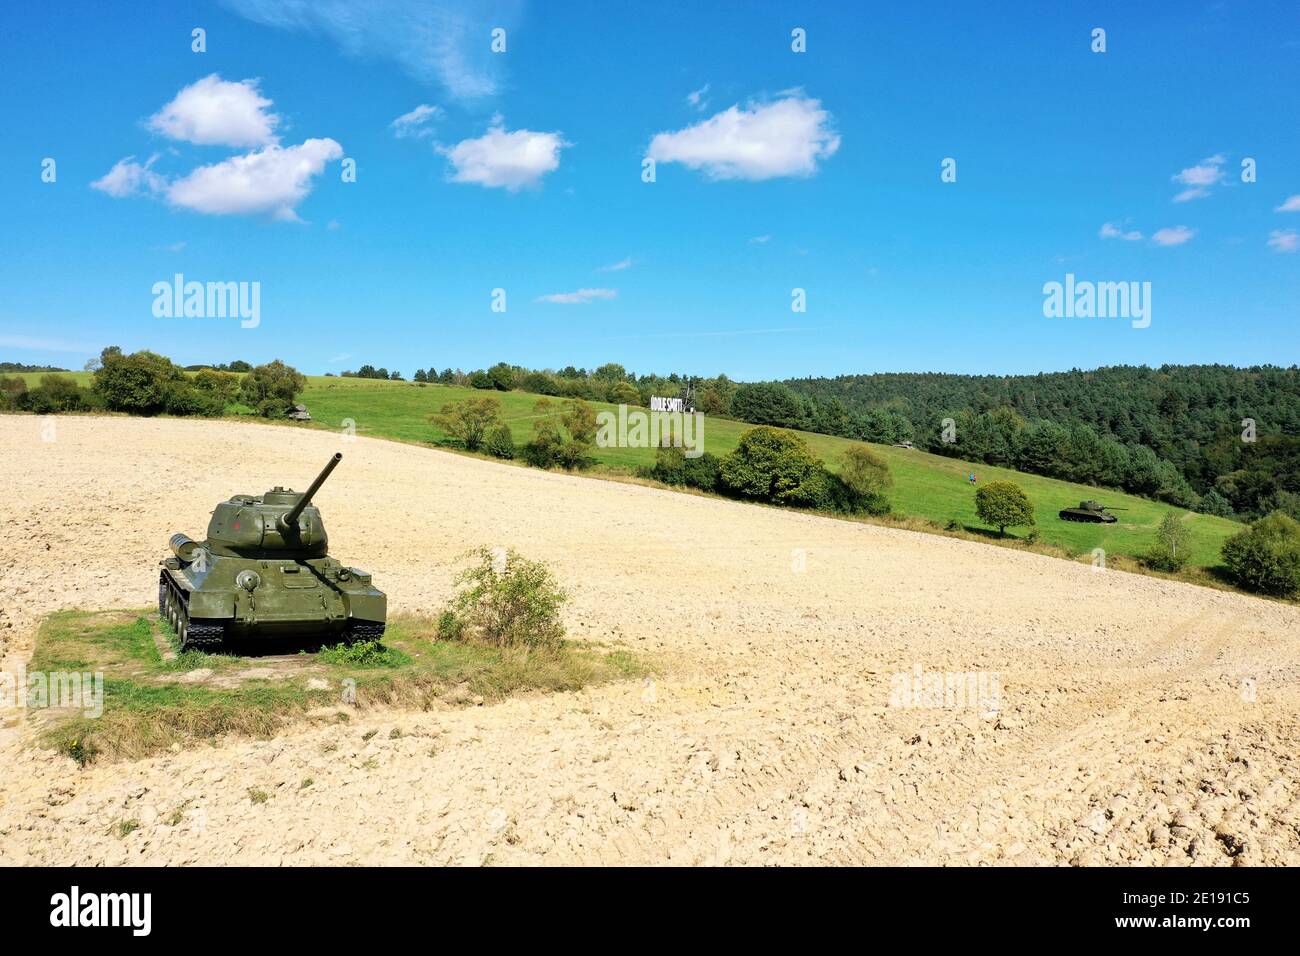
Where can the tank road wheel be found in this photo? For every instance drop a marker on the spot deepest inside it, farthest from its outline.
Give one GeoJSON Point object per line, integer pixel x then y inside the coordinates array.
{"type": "Point", "coordinates": [363, 631]}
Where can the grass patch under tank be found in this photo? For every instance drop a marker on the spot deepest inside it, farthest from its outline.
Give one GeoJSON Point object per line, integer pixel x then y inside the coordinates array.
{"type": "Point", "coordinates": [150, 704]}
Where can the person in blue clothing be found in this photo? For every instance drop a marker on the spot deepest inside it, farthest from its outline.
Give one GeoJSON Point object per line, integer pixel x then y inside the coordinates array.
{"type": "Point", "coordinates": [972, 478]}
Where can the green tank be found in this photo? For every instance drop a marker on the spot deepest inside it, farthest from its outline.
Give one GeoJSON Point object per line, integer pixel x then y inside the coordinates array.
{"type": "Point", "coordinates": [264, 572]}
{"type": "Point", "coordinates": [1090, 511]}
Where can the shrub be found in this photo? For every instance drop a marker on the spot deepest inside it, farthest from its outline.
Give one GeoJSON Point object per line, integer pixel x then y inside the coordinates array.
{"type": "Point", "coordinates": [1169, 553]}
{"type": "Point", "coordinates": [271, 386]}
{"type": "Point", "coordinates": [362, 654]}
{"type": "Point", "coordinates": [12, 388]}
{"type": "Point", "coordinates": [500, 443]}
{"type": "Point", "coordinates": [503, 376]}
{"type": "Point", "coordinates": [182, 399]}
{"type": "Point", "coordinates": [1266, 556]}
{"type": "Point", "coordinates": [1003, 504]}
{"type": "Point", "coordinates": [539, 383]}
{"type": "Point", "coordinates": [450, 627]}
{"type": "Point", "coordinates": [564, 438]}
{"type": "Point", "coordinates": [669, 466]}
{"type": "Point", "coordinates": [506, 601]}
{"type": "Point", "coordinates": [1213, 503]}
{"type": "Point", "coordinates": [867, 477]}
{"type": "Point", "coordinates": [702, 472]}
{"type": "Point", "coordinates": [137, 383]}
{"type": "Point", "coordinates": [222, 386]}
{"type": "Point", "coordinates": [468, 421]}
{"type": "Point", "coordinates": [56, 393]}
{"type": "Point", "coordinates": [771, 464]}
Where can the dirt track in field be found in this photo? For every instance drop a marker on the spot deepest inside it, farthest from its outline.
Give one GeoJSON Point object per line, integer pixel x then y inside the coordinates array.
{"type": "Point", "coordinates": [1127, 730]}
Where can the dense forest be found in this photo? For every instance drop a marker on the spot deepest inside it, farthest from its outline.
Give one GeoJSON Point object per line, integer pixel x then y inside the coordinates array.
{"type": "Point", "coordinates": [1221, 439]}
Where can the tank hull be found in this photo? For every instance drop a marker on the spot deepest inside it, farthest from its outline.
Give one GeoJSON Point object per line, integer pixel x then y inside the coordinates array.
{"type": "Point", "coordinates": [207, 600]}
{"type": "Point", "coordinates": [1076, 514]}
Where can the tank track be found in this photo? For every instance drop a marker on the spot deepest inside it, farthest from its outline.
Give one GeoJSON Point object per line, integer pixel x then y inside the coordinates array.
{"type": "Point", "coordinates": [363, 631]}
{"type": "Point", "coordinates": [207, 637]}
{"type": "Point", "coordinates": [204, 637]}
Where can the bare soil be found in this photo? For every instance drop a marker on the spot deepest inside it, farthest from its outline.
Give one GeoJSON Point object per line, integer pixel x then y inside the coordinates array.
{"type": "Point", "coordinates": [1140, 721]}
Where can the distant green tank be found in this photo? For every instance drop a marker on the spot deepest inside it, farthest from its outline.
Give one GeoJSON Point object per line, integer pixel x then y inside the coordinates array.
{"type": "Point", "coordinates": [1090, 511]}
{"type": "Point", "coordinates": [264, 572]}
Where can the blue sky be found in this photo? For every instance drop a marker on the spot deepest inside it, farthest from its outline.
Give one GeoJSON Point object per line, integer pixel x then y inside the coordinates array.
{"type": "Point", "coordinates": [522, 170]}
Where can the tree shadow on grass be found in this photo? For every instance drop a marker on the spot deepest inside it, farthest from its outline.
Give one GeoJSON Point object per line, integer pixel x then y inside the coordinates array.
{"type": "Point", "coordinates": [989, 533]}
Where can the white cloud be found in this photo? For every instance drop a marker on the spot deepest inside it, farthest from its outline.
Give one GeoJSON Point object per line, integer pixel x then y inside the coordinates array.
{"type": "Point", "coordinates": [1172, 236]}
{"type": "Point", "coordinates": [786, 137]}
{"type": "Point", "coordinates": [617, 266]}
{"type": "Point", "coordinates": [434, 41]}
{"type": "Point", "coordinates": [215, 112]}
{"type": "Point", "coordinates": [271, 180]}
{"type": "Point", "coordinates": [1284, 240]}
{"type": "Point", "coordinates": [511, 160]}
{"type": "Point", "coordinates": [415, 123]}
{"type": "Point", "coordinates": [1111, 231]}
{"type": "Point", "coordinates": [1199, 178]}
{"type": "Point", "coordinates": [578, 297]}
{"type": "Point", "coordinates": [696, 97]}
{"type": "Point", "coordinates": [760, 240]}
{"type": "Point", "coordinates": [1291, 204]}
{"type": "Point", "coordinates": [129, 178]}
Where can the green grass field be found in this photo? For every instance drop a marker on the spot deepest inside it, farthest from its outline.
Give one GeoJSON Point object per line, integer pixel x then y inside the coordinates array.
{"type": "Point", "coordinates": [150, 701]}
{"type": "Point", "coordinates": [926, 486]}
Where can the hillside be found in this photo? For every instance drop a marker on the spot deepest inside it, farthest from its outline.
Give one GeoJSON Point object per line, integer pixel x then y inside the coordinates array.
{"type": "Point", "coordinates": [926, 486]}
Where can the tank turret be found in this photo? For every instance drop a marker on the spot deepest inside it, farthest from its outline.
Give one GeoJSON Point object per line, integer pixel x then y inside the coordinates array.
{"type": "Point", "coordinates": [264, 570]}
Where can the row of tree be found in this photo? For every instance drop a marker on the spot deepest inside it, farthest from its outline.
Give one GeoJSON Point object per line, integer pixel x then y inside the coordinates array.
{"type": "Point", "coordinates": [146, 383]}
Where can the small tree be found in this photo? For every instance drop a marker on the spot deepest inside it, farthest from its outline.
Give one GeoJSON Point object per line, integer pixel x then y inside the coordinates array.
{"type": "Point", "coordinates": [468, 421]}
{"type": "Point", "coordinates": [502, 376]}
{"type": "Point", "coordinates": [500, 443]}
{"type": "Point", "coordinates": [867, 477]}
{"type": "Point", "coordinates": [1266, 556]}
{"type": "Point", "coordinates": [1003, 504]}
{"type": "Point", "coordinates": [772, 464]}
{"type": "Point", "coordinates": [138, 383]}
{"type": "Point", "coordinates": [271, 388]}
{"type": "Point", "coordinates": [1169, 553]}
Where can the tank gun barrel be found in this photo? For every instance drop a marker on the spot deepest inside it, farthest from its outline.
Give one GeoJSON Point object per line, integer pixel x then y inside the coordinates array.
{"type": "Point", "coordinates": [290, 518]}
